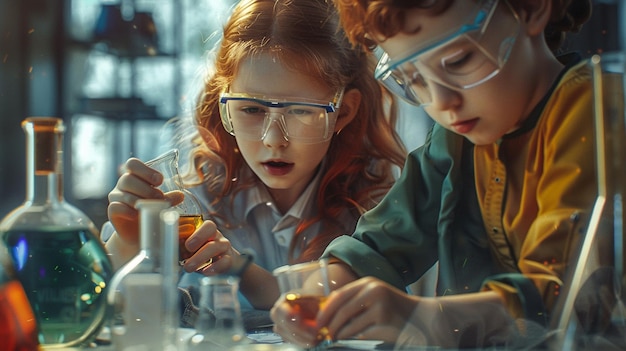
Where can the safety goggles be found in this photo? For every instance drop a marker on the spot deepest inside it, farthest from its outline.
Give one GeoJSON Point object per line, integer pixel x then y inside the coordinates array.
{"type": "Point", "coordinates": [250, 116]}
{"type": "Point", "coordinates": [463, 58]}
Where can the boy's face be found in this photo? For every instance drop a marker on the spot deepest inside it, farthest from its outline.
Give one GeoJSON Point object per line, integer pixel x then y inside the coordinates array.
{"type": "Point", "coordinates": [476, 83]}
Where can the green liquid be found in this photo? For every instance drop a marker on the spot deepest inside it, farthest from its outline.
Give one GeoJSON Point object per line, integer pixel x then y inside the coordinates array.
{"type": "Point", "coordinates": [64, 274]}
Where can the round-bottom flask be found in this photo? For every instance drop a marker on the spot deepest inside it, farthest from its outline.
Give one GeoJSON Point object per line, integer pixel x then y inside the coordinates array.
{"type": "Point", "coordinates": [54, 247]}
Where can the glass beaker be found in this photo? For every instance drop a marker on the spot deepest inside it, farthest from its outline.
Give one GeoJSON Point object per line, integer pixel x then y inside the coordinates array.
{"type": "Point", "coordinates": [55, 249]}
{"type": "Point", "coordinates": [305, 287]}
{"type": "Point", "coordinates": [190, 210]}
{"type": "Point", "coordinates": [219, 325]}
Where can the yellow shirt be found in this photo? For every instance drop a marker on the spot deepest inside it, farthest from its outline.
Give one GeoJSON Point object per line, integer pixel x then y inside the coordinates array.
{"type": "Point", "coordinates": [537, 186]}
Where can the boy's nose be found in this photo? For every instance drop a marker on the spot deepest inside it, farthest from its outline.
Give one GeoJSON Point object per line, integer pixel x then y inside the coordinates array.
{"type": "Point", "coordinates": [443, 97]}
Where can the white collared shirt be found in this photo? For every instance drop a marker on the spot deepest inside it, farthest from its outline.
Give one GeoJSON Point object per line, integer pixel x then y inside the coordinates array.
{"type": "Point", "coordinates": [252, 222]}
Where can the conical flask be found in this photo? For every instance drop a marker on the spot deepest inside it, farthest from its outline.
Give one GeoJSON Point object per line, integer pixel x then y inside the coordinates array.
{"type": "Point", "coordinates": [55, 249]}
{"type": "Point", "coordinates": [18, 326]}
{"type": "Point", "coordinates": [143, 313]}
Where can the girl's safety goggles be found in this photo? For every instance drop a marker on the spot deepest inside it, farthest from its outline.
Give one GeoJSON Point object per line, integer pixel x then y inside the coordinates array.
{"type": "Point", "coordinates": [250, 116]}
{"type": "Point", "coordinates": [464, 57]}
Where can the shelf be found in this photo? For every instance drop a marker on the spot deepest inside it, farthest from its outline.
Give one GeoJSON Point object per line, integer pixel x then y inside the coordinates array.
{"type": "Point", "coordinates": [124, 81]}
{"type": "Point", "coordinates": [119, 108]}
{"type": "Point", "coordinates": [145, 52]}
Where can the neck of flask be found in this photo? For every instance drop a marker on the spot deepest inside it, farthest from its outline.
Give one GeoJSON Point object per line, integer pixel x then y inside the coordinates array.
{"type": "Point", "coordinates": [44, 160]}
{"type": "Point", "coordinates": [150, 227]}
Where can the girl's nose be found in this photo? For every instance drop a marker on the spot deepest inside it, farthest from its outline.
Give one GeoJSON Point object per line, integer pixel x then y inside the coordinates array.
{"type": "Point", "coordinates": [275, 135]}
{"type": "Point", "coordinates": [443, 97]}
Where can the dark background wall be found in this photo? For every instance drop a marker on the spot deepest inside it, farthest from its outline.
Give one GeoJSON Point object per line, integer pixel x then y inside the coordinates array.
{"type": "Point", "coordinates": [32, 47]}
{"type": "Point", "coordinates": [31, 35]}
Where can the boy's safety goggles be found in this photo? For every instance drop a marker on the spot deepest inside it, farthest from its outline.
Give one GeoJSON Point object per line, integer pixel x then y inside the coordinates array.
{"type": "Point", "coordinates": [250, 116]}
{"type": "Point", "coordinates": [464, 57]}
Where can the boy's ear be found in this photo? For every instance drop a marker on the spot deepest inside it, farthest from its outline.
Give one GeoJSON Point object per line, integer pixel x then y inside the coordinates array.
{"type": "Point", "coordinates": [534, 15]}
{"type": "Point", "coordinates": [349, 108]}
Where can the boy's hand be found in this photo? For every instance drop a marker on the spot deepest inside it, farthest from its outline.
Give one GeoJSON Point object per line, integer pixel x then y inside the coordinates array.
{"type": "Point", "coordinates": [368, 309]}
{"type": "Point", "coordinates": [288, 325]}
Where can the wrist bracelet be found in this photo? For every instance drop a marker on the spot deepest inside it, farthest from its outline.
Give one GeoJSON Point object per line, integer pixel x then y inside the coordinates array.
{"type": "Point", "coordinates": [241, 263]}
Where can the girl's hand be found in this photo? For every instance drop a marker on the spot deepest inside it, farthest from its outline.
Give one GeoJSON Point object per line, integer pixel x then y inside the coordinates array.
{"type": "Point", "coordinates": [137, 182]}
{"type": "Point", "coordinates": [210, 245]}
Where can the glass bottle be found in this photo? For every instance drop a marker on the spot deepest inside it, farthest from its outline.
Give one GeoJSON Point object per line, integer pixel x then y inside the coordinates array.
{"type": "Point", "coordinates": [219, 324]}
{"type": "Point", "coordinates": [54, 247]}
{"type": "Point", "coordinates": [143, 294]}
{"type": "Point", "coordinates": [18, 327]}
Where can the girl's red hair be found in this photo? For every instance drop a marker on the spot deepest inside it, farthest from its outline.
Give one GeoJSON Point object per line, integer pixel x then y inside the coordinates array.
{"type": "Point", "coordinates": [306, 36]}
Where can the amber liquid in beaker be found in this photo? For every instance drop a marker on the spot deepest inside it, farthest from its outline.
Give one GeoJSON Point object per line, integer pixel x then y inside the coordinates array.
{"type": "Point", "coordinates": [187, 225]}
{"type": "Point", "coordinates": [307, 307]}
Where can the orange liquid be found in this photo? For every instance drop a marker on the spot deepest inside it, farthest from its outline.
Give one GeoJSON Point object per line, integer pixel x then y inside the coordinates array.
{"type": "Point", "coordinates": [187, 225]}
{"type": "Point", "coordinates": [18, 327]}
{"type": "Point", "coordinates": [306, 306]}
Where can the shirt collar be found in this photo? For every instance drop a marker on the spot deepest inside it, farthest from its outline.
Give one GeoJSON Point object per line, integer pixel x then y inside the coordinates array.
{"type": "Point", "coordinates": [304, 207]}
{"type": "Point", "coordinates": [569, 60]}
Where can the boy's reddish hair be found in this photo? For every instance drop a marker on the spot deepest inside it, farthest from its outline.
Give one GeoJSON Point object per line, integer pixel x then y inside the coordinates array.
{"type": "Point", "coordinates": [364, 20]}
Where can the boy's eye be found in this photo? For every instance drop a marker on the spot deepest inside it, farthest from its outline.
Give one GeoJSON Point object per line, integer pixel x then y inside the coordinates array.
{"type": "Point", "coordinates": [459, 62]}
{"type": "Point", "coordinates": [417, 79]}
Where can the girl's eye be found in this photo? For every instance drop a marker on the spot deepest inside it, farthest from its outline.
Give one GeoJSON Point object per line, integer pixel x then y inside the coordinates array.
{"type": "Point", "coordinates": [251, 110]}
{"type": "Point", "coordinates": [298, 111]}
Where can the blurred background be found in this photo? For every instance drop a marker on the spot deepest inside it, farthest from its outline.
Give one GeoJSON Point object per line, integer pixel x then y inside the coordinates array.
{"type": "Point", "coordinates": [115, 71]}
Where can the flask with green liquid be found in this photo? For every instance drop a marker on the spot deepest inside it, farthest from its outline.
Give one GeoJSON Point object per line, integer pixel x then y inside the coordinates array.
{"type": "Point", "coordinates": [54, 247]}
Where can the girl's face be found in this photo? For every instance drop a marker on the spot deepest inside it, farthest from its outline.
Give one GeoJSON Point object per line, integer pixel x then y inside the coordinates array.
{"type": "Point", "coordinates": [285, 166]}
{"type": "Point", "coordinates": [455, 76]}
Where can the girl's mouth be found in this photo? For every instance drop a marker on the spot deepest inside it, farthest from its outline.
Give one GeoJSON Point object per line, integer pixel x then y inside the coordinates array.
{"type": "Point", "coordinates": [277, 168]}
